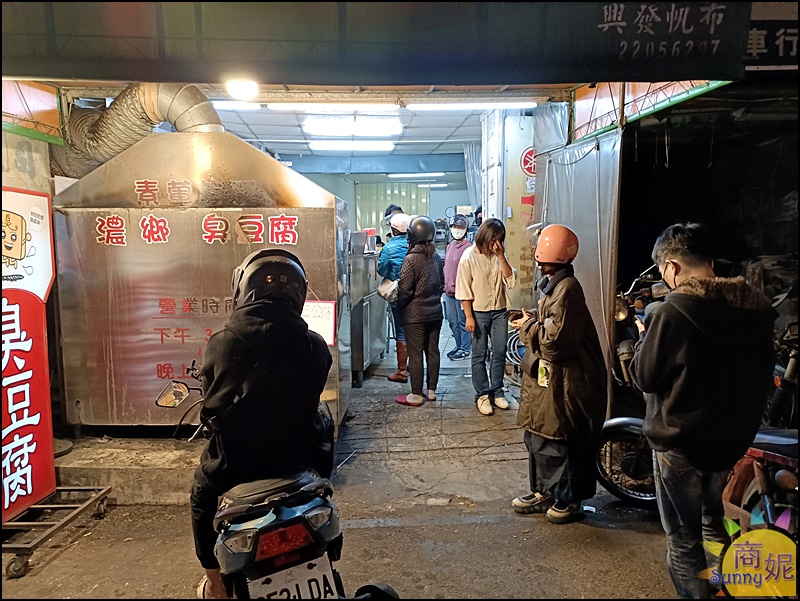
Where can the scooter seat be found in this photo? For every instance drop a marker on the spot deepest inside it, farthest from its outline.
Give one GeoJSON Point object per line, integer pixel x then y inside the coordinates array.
{"type": "Point", "coordinates": [251, 493]}
{"type": "Point", "coordinates": [777, 440]}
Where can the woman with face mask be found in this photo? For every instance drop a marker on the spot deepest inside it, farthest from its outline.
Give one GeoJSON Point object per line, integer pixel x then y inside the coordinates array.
{"type": "Point", "coordinates": [452, 307]}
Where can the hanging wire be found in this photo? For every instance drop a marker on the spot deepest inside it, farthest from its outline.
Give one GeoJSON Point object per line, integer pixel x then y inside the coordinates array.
{"type": "Point", "coordinates": [711, 147]}
{"type": "Point", "coordinates": [588, 152]}
{"type": "Point", "coordinates": [655, 156]}
{"type": "Point", "coordinates": [666, 144]}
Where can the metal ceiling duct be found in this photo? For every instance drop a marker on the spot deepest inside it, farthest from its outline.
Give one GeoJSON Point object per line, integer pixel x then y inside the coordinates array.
{"type": "Point", "coordinates": [94, 137]}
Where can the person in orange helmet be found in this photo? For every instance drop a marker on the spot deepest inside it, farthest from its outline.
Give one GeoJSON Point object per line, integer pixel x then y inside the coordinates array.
{"type": "Point", "coordinates": [563, 399]}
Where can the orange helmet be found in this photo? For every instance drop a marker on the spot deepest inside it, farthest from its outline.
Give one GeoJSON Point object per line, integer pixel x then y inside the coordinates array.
{"type": "Point", "coordinates": [557, 244]}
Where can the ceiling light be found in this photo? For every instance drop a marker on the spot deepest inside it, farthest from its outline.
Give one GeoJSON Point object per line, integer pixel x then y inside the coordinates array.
{"type": "Point", "coordinates": [332, 107]}
{"type": "Point", "coordinates": [242, 89]}
{"type": "Point", "coordinates": [351, 145]}
{"type": "Point", "coordinates": [432, 185]}
{"type": "Point", "coordinates": [417, 175]}
{"type": "Point", "coordinates": [348, 126]}
{"type": "Point", "coordinates": [468, 106]}
{"type": "Point", "coordinates": [235, 105]}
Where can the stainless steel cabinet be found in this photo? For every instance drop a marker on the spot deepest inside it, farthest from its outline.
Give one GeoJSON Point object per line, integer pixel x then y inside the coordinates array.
{"type": "Point", "coordinates": [368, 310]}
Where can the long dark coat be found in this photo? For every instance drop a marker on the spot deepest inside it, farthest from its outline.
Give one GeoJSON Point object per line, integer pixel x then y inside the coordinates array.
{"type": "Point", "coordinates": [573, 406]}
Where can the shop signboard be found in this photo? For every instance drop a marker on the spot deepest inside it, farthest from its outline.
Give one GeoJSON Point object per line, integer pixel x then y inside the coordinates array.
{"type": "Point", "coordinates": [28, 271]}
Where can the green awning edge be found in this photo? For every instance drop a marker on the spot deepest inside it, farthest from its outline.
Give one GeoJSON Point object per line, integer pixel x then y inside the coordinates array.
{"type": "Point", "coordinates": [32, 133]}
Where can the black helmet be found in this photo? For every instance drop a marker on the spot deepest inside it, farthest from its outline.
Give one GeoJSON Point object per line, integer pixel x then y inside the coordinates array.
{"type": "Point", "coordinates": [270, 274]}
{"type": "Point", "coordinates": [421, 229]}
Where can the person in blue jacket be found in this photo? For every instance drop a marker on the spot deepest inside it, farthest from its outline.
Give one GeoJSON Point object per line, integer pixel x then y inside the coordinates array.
{"type": "Point", "coordinates": [389, 263]}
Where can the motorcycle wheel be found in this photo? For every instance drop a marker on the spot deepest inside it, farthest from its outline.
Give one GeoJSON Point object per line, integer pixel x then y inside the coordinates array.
{"type": "Point", "coordinates": [624, 465]}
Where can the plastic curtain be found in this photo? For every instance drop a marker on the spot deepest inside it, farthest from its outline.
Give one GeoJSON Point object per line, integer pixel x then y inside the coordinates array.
{"type": "Point", "coordinates": [581, 191]}
{"type": "Point", "coordinates": [472, 170]}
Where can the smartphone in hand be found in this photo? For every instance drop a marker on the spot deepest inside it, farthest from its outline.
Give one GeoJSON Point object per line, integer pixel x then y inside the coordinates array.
{"type": "Point", "coordinates": [513, 314]}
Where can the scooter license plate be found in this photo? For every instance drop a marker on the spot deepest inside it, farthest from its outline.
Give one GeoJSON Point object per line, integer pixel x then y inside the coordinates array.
{"type": "Point", "coordinates": [310, 580]}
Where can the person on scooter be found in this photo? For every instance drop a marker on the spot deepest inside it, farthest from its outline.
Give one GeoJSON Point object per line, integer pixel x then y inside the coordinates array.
{"type": "Point", "coordinates": [563, 402]}
{"type": "Point", "coordinates": [263, 375]}
{"type": "Point", "coordinates": [704, 362]}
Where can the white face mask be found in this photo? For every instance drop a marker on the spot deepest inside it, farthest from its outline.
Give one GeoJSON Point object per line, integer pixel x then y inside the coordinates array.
{"type": "Point", "coordinates": [458, 233]}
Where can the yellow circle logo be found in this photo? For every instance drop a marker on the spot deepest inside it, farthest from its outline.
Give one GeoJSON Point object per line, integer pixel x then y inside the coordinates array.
{"type": "Point", "coordinates": [759, 563]}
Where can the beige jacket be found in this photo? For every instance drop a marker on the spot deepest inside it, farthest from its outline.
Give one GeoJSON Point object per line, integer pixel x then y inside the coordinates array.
{"type": "Point", "coordinates": [480, 279]}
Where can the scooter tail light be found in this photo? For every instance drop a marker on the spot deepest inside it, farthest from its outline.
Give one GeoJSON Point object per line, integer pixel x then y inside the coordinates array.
{"type": "Point", "coordinates": [241, 542]}
{"type": "Point", "coordinates": [284, 540]}
{"type": "Point", "coordinates": [318, 517]}
{"type": "Point", "coordinates": [777, 381]}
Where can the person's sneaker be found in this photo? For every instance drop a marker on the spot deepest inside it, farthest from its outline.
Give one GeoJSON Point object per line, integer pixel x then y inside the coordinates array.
{"type": "Point", "coordinates": [460, 354]}
{"type": "Point", "coordinates": [453, 355]}
{"type": "Point", "coordinates": [533, 503]}
{"type": "Point", "coordinates": [485, 405]}
{"type": "Point", "coordinates": [501, 402]}
{"type": "Point", "coordinates": [429, 394]}
{"type": "Point", "coordinates": [563, 513]}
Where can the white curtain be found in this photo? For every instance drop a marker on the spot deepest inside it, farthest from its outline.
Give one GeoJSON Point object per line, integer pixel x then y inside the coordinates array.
{"type": "Point", "coordinates": [472, 169]}
{"type": "Point", "coordinates": [372, 200]}
{"type": "Point", "coordinates": [581, 191]}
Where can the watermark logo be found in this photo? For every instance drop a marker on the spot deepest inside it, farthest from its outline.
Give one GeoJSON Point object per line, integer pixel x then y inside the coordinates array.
{"type": "Point", "coordinates": [758, 563]}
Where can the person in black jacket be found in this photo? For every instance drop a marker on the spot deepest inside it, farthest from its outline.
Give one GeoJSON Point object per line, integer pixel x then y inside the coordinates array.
{"type": "Point", "coordinates": [704, 361]}
{"type": "Point", "coordinates": [263, 375]}
{"type": "Point", "coordinates": [419, 298]}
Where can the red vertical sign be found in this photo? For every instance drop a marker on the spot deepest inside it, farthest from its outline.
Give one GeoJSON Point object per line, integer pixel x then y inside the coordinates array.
{"type": "Point", "coordinates": [28, 464]}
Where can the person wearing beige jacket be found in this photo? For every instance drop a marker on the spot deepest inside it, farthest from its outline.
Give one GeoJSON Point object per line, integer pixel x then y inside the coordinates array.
{"type": "Point", "coordinates": [483, 278]}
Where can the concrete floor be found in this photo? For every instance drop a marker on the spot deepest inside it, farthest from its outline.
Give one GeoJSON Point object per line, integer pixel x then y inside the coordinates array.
{"type": "Point", "coordinates": [424, 495]}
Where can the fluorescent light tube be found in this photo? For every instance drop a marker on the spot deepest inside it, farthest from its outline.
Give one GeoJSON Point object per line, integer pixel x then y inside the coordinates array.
{"type": "Point", "coordinates": [332, 107]}
{"type": "Point", "coordinates": [349, 126]}
{"type": "Point", "coordinates": [468, 106]}
{"type": "Point", "coordinates": [432, 185]}
{"type": "Point", "coordinates": [236, 105]}
{"type": "Point", "coordinates": [351, 145]}
{"type": "Point", "coordinates": [417, 175]}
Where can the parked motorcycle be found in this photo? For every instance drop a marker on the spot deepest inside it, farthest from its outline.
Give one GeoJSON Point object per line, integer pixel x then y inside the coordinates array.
{"type": "Point", "coordinates": [624, 460]}
{"type": "Point", "coordinates": [277, 537]}
{"type": "Point", "coordinates": [762, 488]}
{"type": "Point", "coordinates": [781, 409]}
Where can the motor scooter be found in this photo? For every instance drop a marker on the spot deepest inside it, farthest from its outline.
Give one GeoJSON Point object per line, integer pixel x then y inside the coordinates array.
{"type": "Point", "coordinates": [277, 537]}
{"type": "Point", "coordinates": [624, 460]}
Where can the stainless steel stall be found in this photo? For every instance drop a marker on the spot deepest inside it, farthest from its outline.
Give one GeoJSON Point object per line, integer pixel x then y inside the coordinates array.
{"type": "Point", "coordinates": [368, 325]}
{"type": "Point", "coordinates": [145, 247]}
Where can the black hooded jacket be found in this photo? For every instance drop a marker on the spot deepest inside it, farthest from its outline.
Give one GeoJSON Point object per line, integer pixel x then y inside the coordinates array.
{"type": "Point", "coordinates": [705, 364]}
{"type": "Point", "coordinates": [277, 425]}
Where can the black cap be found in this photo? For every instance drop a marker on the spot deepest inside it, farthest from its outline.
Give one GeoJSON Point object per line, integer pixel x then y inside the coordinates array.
{"type": "Point", "coordinates": [460, 221]}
